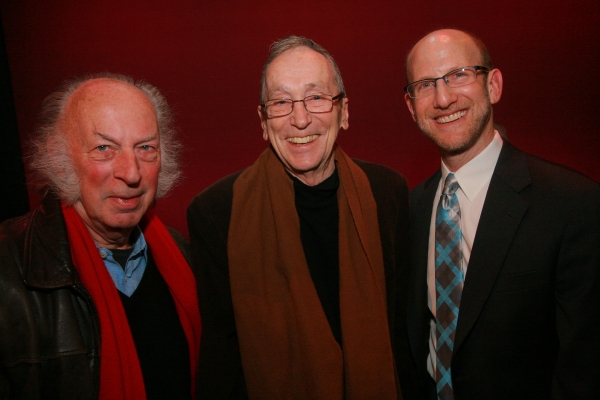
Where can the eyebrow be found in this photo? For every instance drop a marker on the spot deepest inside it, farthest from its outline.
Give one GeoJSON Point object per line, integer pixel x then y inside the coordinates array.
{"type": "Point", "coordinates": [108, 138]}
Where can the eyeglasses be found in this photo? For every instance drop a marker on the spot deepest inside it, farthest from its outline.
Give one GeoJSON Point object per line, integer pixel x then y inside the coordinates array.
{"type": "Point", "coordinates": [316, 103]}
{"type": "Point", "coordinates": [455, 78]}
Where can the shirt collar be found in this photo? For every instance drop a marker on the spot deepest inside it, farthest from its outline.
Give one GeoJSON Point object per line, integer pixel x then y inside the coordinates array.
{"type": "Point", "coordinates": [139, 246]}
{"type": "Point", "coordinates": [473, 176]}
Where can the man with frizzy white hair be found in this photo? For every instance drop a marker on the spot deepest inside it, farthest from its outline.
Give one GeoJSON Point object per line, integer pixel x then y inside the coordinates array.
{"type": "Point", "coordinates": [97, 299]}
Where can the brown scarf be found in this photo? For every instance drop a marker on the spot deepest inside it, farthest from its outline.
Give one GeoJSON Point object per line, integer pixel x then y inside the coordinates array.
{"type": "Point", "coordinates": [120, 372]}
{"type": "Point", "coordinates": [286, 344]}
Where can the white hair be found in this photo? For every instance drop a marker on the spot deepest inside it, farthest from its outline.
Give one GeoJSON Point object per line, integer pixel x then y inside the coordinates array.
{"type": "Point", "coordinates": [50, 157]}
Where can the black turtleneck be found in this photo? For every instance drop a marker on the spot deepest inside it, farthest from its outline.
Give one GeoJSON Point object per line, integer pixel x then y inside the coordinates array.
{"type": "Point", "coordinates": [317, 208]}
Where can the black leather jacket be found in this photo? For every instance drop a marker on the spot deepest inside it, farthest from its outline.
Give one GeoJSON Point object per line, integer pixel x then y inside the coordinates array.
{"type": "Point", "coordinates": [49, 327]}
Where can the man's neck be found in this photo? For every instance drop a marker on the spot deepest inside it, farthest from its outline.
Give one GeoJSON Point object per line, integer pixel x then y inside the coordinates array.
{"type": "Point", "coordinates": [112, 240]}
{"type": "Point", "coordinates": [456, 161]}
{"type": "Point", "coordinates": [104, 236]}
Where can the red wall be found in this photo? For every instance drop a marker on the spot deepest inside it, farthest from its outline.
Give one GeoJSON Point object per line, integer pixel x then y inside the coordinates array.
{"type": "Point", "coordinates": [207, 56]}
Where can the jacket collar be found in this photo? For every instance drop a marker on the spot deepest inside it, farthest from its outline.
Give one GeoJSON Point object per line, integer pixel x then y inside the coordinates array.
{"type": "Point", "coordinates": [501, 216]}
{"type": "Point", "coordinates": [47, 255]}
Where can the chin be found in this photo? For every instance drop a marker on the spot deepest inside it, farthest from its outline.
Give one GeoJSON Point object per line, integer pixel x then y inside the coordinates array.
{"type": "Point", "coordinates": [301, 166]}
{"type": "Point", "coordinates": [454, 145]}
{"type": "Point", "coordinates": [129, 222]}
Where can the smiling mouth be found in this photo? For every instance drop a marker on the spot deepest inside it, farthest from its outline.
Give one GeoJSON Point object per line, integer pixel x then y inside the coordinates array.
{"type": "Point", "coordinates": [451, 117]}
{"type": "Point", "coordinates": [302, 140]}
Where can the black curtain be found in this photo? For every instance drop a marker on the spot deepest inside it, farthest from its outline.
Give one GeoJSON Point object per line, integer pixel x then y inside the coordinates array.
{"type": "Point", "coordinates": [14, 200]}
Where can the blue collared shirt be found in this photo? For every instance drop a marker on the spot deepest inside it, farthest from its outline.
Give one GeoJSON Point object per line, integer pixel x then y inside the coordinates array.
{"type": "Point", "coordinates": [127, 280]}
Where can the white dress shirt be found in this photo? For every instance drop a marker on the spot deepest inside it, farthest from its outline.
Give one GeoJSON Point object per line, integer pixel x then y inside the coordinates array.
{"type": "Point", "coordinates": [474, 179]}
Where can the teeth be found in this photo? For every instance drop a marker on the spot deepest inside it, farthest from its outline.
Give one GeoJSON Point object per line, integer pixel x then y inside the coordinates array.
{"type": "Point", "coordinates": [451, 117]}
{"type": "Point", "coordinates": [302, 140]}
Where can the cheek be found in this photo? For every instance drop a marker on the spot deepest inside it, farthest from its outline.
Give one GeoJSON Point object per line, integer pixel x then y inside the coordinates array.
{"type": "Point", "coordinates": [150, 172]}
{"type": "Point", "coordinates": [420, 108]}
{"type": "Point", "coordinates": [95, 174]}
{"type": "Point", "coordinates": [274, 127]}
{"type": "Point", "coordinates": [332, 137]}
{"type": "Point", "coordinates": [93, 185]}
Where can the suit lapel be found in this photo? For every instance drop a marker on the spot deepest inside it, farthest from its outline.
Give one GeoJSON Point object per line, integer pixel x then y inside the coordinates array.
{"type": "Point", "coordinates": [500, 218]}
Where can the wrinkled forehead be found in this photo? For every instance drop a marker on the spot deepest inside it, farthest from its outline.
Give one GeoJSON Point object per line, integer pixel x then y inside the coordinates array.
{"type": "Point", "coordinates": [299, 67]}
{"type": "Point", "coordinates": [439, 53]}
{"type": "Point", "coordinates": [106, 99]}
{"type": "Point", "coordinates": [108, 92]}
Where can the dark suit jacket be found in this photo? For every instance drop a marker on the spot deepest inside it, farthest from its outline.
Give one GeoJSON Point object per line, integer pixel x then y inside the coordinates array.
{"type": "Point", "coordinates": [529, 324]}
{"type": "Point", "coordinates": [220, 374]}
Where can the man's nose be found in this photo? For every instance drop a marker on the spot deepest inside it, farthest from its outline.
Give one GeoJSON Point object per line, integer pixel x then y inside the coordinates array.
{"type": "Point", "coordinates": [443, 94]}
{"type": "Point", "coordinates": [127, 167]}
{"type": "Point", "coordinates": [300, 117]}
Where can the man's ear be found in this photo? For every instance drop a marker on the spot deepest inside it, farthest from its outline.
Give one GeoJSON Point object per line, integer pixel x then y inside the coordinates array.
{"type": "Point", "coordinates": [345, 115]}
{"type": "Point", "coordinates": [409, 104]}
{"type": "Point", "coordinates": [494, 82]}
{"type": "Point", "coordinates": [263, 122]}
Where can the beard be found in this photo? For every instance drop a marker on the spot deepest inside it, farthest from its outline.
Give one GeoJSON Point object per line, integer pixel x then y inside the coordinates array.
{"type": "Point", "coordinates": [481, 117]}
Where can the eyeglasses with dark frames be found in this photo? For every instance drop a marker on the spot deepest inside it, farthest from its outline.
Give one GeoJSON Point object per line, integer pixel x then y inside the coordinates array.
{"type": "Point", "coordinates": [315, 104]}
{"type": "Point", "coordinates": [455, 78]}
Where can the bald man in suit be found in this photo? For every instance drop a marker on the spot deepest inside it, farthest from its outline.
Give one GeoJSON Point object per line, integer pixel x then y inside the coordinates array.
{"type": "Point", "coordinates": [505, 302]}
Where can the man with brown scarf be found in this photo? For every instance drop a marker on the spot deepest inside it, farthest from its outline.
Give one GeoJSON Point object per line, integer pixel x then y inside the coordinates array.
{"type": "Point", "coordinates": [302, 256]}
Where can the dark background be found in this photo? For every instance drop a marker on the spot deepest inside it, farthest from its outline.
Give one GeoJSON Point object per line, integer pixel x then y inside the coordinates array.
{"type": "Point", "coordinates": [206, 57]}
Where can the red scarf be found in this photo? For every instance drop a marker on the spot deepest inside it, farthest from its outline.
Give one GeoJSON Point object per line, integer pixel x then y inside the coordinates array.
{"type": "Point", "coordinates": [120, 372]}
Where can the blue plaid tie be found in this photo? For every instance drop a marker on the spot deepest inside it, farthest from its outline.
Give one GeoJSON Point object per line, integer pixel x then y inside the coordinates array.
{"type": "Point", "coordinates": [448, 282]}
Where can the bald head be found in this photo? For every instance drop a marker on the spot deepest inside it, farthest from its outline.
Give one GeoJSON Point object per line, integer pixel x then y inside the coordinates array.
{"type": "Point", "coordinates": [105, 91]}
{"type": "Point", "coordinates": [446, 44]}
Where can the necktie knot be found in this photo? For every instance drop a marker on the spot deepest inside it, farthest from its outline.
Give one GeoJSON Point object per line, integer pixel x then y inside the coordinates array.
{"type": "Point", "coordinates": [450, 187]}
